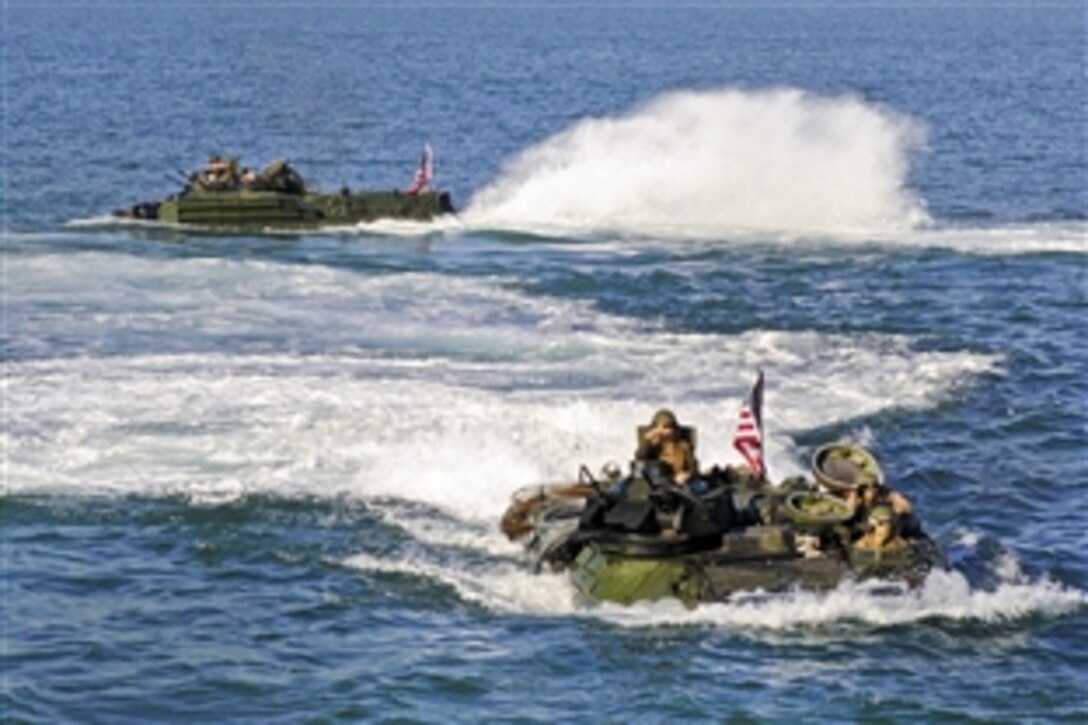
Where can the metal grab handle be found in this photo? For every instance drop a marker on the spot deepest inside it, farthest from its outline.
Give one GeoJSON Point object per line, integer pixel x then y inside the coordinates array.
{"type": "Point", "coordinates": [585, 476]}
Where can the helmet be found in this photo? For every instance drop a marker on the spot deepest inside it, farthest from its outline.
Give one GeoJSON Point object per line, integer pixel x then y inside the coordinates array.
{"type": "Point", "coordinates": [664, 417]}
{"type": "Point", "coordinates": [842, 467]}
{"type": "Point", "coordinates": [881, 514]}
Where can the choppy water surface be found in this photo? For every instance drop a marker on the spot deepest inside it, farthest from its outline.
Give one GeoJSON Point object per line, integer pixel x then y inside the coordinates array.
{"type": "Point", "coordinates": [258, 478]}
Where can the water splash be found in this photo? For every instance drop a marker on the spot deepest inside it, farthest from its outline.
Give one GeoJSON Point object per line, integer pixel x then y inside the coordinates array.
{"type": "Point", "coordinates": [496, 581]}
{"type": "Point", "coordinates": [850, 608]}
{"type": "Point", "coordinates": [945, 595]}
{"type": "Point", "coordinates": [217, 428]}
{"type": "Point", "coordinates": [504, 588]}
{"type": "Point", "coordinates": [712, 162]}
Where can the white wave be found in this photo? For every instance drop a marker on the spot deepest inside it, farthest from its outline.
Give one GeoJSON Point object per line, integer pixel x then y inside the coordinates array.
{"type": "Point", "coordinates": [716, 162]}
{"type": "Point", "coordinates": [445, 434]}
{"type": "Point", "coordinates": [499, 388]}
{"type": "Point", "coordinates": [505, 588]}
{"type": "Point", "coordinates": [1010, 239]}
{"type": "Point", "coordinates": [943, 596]}
{"type": "Point", "coordinates": [1005, 240]}
{"type": "Point", "coordinates": [107, 220]}
{"type": "Point", "coordinates": [446, 532]}
{"type": "Point", "coordinates": [447, 224]}
{"type": "Point", "coordinates": [1001, 240]}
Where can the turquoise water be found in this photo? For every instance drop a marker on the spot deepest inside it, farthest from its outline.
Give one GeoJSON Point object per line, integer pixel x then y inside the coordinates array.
{"type": "Point", "coordinates": [258, 478]}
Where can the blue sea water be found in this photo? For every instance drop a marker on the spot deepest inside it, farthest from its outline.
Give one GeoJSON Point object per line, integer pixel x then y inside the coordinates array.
{"type": "Point", "coordinates": [257, 478]}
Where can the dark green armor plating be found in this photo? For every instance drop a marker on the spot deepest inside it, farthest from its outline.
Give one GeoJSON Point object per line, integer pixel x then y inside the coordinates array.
{"type": "Point", "coordinates": [642, 537]}
{"type": "Point", "coordinates": [270, 206]}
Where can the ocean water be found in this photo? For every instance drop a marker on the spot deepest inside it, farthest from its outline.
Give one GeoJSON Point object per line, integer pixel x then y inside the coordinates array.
{"type": "Point", "coordinates": [258, 478]}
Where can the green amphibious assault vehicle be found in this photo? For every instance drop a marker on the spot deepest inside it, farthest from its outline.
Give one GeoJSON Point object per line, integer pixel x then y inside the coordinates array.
{"type": "Point", "coordinates": [641, 536]}
{"type": "Point", "coordinates": [224, 196]}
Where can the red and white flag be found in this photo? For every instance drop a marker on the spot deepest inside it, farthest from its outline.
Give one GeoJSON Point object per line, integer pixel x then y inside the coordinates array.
{"type": "Point", "coordinates": [424, 174]}
{"type": "Point", "coordinates": [748, 438]}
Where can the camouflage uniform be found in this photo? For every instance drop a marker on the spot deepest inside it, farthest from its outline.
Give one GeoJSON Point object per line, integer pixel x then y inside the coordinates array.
{"type": "Point", "coordinates": [675, 451]}
{"type": "Point", "coordinates": [881, 534]}
{"type": "Point", "coordinates": [903, 518]}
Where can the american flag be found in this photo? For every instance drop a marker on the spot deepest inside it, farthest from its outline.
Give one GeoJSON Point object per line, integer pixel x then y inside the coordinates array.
{"type": "Point", "coordinates": [424, 174]}
{"type": "Point", "coordinates": [748, 438]}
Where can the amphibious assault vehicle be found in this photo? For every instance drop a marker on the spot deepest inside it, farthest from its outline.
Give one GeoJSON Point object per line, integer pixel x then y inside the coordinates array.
{"type": "Point", "coordinates": [225, 197]}
{"type": "Point", "coordinates": [642, 536]}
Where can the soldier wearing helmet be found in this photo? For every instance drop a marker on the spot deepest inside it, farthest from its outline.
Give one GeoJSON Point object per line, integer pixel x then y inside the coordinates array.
{"type": "Point", "coordinates": [219, 174]}
{"type": "Point", "coordinates": [880, 534]}
{"type": "Point", "coordinates": [667, 441]}
{"type": "Point", "coordinates": [872, 494]}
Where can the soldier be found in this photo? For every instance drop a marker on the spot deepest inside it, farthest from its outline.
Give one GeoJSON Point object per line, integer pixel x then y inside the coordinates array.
{"type": "Point", "coordinates": [218, 174]}
{"type": "Point", "coordinates": [880, 532]}
{"type": "Point", "coordinates": [871, 495]}
{"type": "Point", "coordinates": [666, 441]}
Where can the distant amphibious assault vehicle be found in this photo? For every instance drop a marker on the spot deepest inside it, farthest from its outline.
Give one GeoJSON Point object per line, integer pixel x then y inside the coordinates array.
{"type": "Point", "coordinates": [224, 196]}
{"type": "Point", "coordinates": [640, 536]}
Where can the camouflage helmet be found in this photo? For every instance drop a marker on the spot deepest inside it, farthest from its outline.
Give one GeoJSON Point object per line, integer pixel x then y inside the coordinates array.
{"type": "Point", "coordinates": [881, 514]}
{"type": "Point", "coordinates": [664, 417]}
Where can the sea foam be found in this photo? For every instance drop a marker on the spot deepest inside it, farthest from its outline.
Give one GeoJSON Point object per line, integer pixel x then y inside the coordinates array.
{"type": "Point", "coordinates": [706, 163]}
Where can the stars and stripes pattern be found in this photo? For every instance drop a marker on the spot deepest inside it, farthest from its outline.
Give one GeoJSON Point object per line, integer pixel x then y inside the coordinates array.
{"type": "Point", "coordinates": [748, 437]}
{"type": "Point", "coordinates": [424, 174]}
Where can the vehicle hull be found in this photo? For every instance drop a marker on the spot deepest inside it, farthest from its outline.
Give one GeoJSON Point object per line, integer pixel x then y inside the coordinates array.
{"type": "Point", "coordinates": [617, 546]}
{"type": "Point", "coordinates": [601, 573]}
{"type": "Point", "coordinates": [255, 211]}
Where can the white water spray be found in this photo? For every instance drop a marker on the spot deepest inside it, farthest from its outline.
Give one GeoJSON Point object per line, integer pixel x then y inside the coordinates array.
{"type": "Point", "coordinates": [431, 398]}
{"type": "Point", "coordinates": [402, 364]}
{"type": "Point", "coordinates": [716, 162]}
